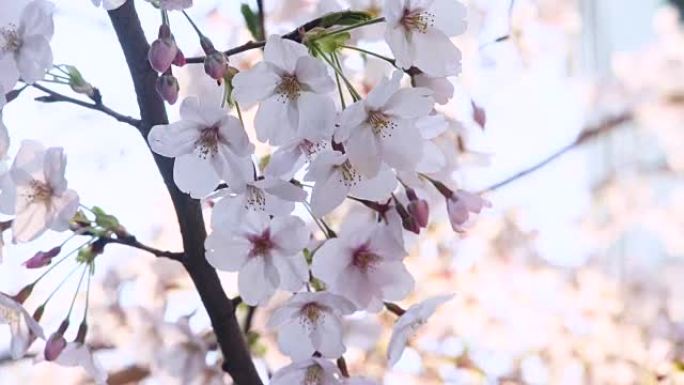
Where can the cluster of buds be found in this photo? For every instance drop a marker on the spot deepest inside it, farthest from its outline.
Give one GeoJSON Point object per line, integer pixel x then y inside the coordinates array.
{"type": "Point", "coordinates": [215, 62]}
{"type": "Point", "coordinates": [162, 55]}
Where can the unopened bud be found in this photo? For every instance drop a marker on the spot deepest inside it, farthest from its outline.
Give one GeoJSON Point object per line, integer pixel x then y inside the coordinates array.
{"type": "Point", "coordinates": [23, 295]}
{"type": "Point", "coordinates": [38, 314]}
{"type": "Point", "coordinates": [216, 65]}
{"type": "Point", "coordinates": [42, 258]}
{"type": "Point", "coordinates": [162, 53]}
{"type": "Point", "coordinates": [56, 343]}
{"type": "Point", "coordinates": [167, 87]}
{"type": "Point", "coordinates": [420, 211]}
{"type": "Point", "coordinates": [82, 332]}
{"type": "Point", "coordinates": [179, 60]}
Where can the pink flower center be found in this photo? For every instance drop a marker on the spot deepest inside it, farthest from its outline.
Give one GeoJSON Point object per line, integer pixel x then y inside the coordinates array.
{"type": "Point", "coordinates": [10, 41]}
{"type": "Point", "coordinates": [381, 124]}
{"type": "Point", "coordinates": [40, 192]}
{"type": "Point", "coordinates": [206, 145]}
{"type": "Point", "coordinates": [289, 88]}
{"type": "Point", "coordinates": [365, 259]}
{"type": "Point", "coordinates": [418, 20]}
{"type": "Point", "coordinates": [261, 244]}
{"type": "Point", "coordinates": [348, 175]}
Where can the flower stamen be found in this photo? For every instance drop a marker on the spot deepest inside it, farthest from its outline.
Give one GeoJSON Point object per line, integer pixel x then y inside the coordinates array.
{"type": "Point", "coordinates": [381, 124]}
{"type": "Point", "coordinates": [289, 88]}
{"type": "Point", "coordinates": [418, 20]}
{"type": "Point", "coordinates": [207, 143]}
{"type": "Point", "coordinates": [10, 41]}
{"type": "Point", "coordinates": [348, 174]}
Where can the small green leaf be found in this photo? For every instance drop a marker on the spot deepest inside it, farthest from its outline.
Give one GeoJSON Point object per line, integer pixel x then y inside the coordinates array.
{"type": "Point", "coordinates": [106, 221]}
{"type": "Point", "coordinates": [344, 18]}
{"type": "Point", "coordinates": [252, 21]}
{"type": "Point", "coordinates": [332, 43]}
{"type": "Point", "coordinates": [264, 161]}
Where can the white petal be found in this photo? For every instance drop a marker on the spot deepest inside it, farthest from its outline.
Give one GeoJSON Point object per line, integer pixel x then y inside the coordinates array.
{"type": "Point", "coordinates": [29, 222]}
{"type": "Point", "coordinates": [289, 234]}
{"type": "Point", "coordinates": [283, 53]}
{"type": "Point", "coordinates": [225, 252]}
{"type": "Point", "coordinates": [276, 121]}
{"type": "Point", "coordinates": [172, 140]}
{"type": "Point", "coordinates": [327, 194]}
{"type": "Point", "coordinates": [202, 111]}
{"type": "Point", "coordinates": [285, 161]}
{"type": "Point", "coordinates": [293, 272]}
{"type": "Point", "coordinates": [255, 84]}
{"type": "Point", "coordinates": [233, 135]}
{"type": "Point", "coordinates": [362, 149]}
{"type": "Point", "coordinates": [327, 337]}
{"type": "Point", "coordinates": [350, 120]}
{"type": "Point", "coordinates": [442, 89]}
{"type": "Point", "coordinates": [195, 176]}
{"type": "Point", "coordinates": [397, 344]}
{"type": "Point", "coordinates": [4, 139]}
{"type": "Point", "coordinates": [54, 166]}
{"type": "Point", "coordinates": [36, 19]}
{"type": "Point", "coordinates": [435, 54]}
{"type": "Point", "coordinates": [322, 166]}
{"type": "Point", "coordinates": [378, 188]}
{"type": "Point", "coordinates": [330, 260]}
{"type": "Point", "coordinates": [65, 207]}
{"type": "Point", "coordinates": [403, 148]}
{"type": "Point", "coordinates": [316, 116]}
{"type": "Point", "coordinates": [284, 190]}
{"type": "Point", "coordinates": [401, 48]}
{"type": "Point", "coordinates": [313, 75]}
{"type": "Point", "coordinates": [450, 16]}
{"type": "Point", "coordinates": [394, 280]}
{"type": "Point", "coordinates": [383, 91]}
{"type": "Point", "coordinates": [34, 58]}
{"type": "Point", "coordinates": [409, 103]}
{"type": "Point", "coordinates": [253, 284]}
{"type": "Point", "coordinates": [293, 340]}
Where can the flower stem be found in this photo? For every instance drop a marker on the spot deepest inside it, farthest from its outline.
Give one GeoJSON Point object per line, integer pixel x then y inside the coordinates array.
{"type": "Point", "coordinates": [355, 95]}
{"type": "Point", "coordinates": [78, 288]}
{"type": "Point", "coordinates": [353, 27]}
{"type": "Point", "coordinates": [52, 267]}
{"type": "Point", "coordinates": [239, 113]}
{"type": "Point", "coordinates": [371, 53]}
{"type": "Point", "coordinates": [194, 26]}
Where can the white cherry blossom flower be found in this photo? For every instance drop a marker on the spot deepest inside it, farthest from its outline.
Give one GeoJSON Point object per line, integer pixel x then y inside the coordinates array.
{"type": "Point", "coordinates": [267, 253]}
{"type": "Point", "coordinates": [418, 33]}
{"type": "Point", "coordinates": [309, 323]}
{"type": "Point", "coordinates": [78, 354]}
{"type": "Point", "coordinates": [25, 45]}
{"type": "Point", "coordinates": [336, 178]}
{"type": "Point", "coordinates": [267, 195]}
{"type": "Point", "coordinates": [171, 5]}
{"type": "Point", "coordinates": [291, 86]}
{"type": "Point", "coordinates": [38, 194]}
{"type": "Point", "coordinates": [108, 4]}
{"type": "Point", "coordinates": [312, 371]}
{"type": "Point", "coordinates": [460, 205]}
{"type": "Point", "coordinates": [407, 325]}
{"type": "Point", "coordinates": [208, 144]}
{"type": "Point", "coordinates": [23, 327]}
{"type": "Point", "coordinates": [289, 158]}
{"type": "Point", "coordinates": [364, 265]}
{"type": "Point", "coordinates": [382, 127]}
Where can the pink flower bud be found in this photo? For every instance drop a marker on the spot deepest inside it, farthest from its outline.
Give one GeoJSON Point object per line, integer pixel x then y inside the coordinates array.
{"type": "Point", "coordinates": [479, 115]}
{"type": "Point", "coordinates": [409, 223]}
{"type": "Point", "coordinates": [162, 53]}
{"type": "Point", "coordinates": [216, 65]}
{"type": "Point", "coordinates": [42, 258]}
{"type": "Point", "coordinates": [179, 60]}
{"type": "Point", "coordinates": [54, 346]}
{"type": "Point", "coordinates": [420, 211]}
{"type": "Point", "coordinates": [460, 205]}
{"type": "Point", "coordinates": [167, 87]}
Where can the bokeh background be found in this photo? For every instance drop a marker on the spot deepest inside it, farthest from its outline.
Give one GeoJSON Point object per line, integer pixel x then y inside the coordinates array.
{"type": "Point", "coordinates": [575, 276]}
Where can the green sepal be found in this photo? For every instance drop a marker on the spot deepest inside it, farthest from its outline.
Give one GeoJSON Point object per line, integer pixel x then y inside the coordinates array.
{"type": "Point", "coordinates": [251, 21]}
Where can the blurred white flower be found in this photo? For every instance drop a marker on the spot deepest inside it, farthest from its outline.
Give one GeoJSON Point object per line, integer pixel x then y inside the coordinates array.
{"type": "Point", "coordinates": [208, 145]}
{"type": "Point", "coordinates": [416, 316]}
{"type": "Point", "coordinates": [171, 5]}
{"type": "Point", "coordinates": [267, 253]}
{"type": "Point", "coordinates": [78, 354]}
{"type": "Point", "coordinates": [291, 86]}
{"type": "Point", "coordinates": [108, 4]}
{"type": "Point", "coordinates": [460, 205]}
{"type": "Point", "coordinates": [418, 33]}
{"type": "Point", "coordinates": [382, 127]}
{"type": "Point", "coordinates": [23, 327]}
{"type": "Point", "coordinates": [364, 265]}
{"type": "Point", "coordinates": [25, 46]}
{"type": "Point", "coordinates": [309, 323]}
{"type": "Point", "coordinates": [38, 194]}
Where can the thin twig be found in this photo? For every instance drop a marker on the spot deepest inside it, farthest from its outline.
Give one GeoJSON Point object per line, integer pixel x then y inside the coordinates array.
{"type": "Point", "coordinates": [587, 135]}
{"type": "Point", "coordinates": [131, 241]}
{"type": "Point", "coordinates": [53, 96]}
{"type": "Point", "coordinates": [249, 319]}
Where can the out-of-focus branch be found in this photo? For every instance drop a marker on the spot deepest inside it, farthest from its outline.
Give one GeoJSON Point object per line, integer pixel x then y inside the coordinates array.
{"type": "Point", "coordinates": [129, 375]}
{"type": "Point", "coordinates": [131, 241]}
{"type": "Point", "coordinates": [262, 19]}
{"type": "Point", "coordinates": [586, 136]}
{"type": "Point", "coordinates": [237, 359]}
{"type": "Point", "coordinates": [53, 96]}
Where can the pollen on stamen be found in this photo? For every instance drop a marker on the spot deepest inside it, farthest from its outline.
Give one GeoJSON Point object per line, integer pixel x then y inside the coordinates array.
{"type": "Point", "coordinates": [418, 20]}
{"type": "Point", "coordinates": [311, 314]}
{"type": "Point", "coordinates": [9, 39]}
{"type": "Point", "coordinates": [314, 375]}
{"type": "Point", "coordinates": [206, 145]}
{"type": "Point", "coordinates": [348, 175]}
{"type": "Point", "coordinates": [39, 192]}
{"type": "Point", "coordinates": [381, 124]}
{"type": "Point", "coordinates": [289, 89]}
{"type": "Point", "coordinates": [255, 199]}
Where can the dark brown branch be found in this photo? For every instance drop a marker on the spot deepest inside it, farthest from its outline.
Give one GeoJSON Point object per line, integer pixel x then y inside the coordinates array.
{"type": "Point", "coordinates": [53, 96]}
{"type": "Point", "coordinates": [249, 319]}
{"type": "Point", "coordinates": [237, 359]}
{"type": "Point", "coordinates": [262, 19]}
{"type": "Point", "coordinates": [131, 241]}
{"type": "Point", "coordinates": [587, 135]}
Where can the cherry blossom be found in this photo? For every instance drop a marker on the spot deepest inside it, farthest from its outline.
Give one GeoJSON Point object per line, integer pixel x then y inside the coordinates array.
{"type": "Point", "coordinates": [289, 158]}
{"type": "Point", "coordinates": [292, 88]}
{"type": "Point", "coordinates": [171, 5]}
{"type": "Point", "coordinates": [311, 371]}
{"type": "Point", "coordinates": [264, 195]}
{"type": "Point", "coordinates": [78, 354]}
{"type": "Point", "coordinates": [459, 206]}
{"type": "Point", "coordinates": [382, 127]}
{"type": "Point", "coordinates": [309, 323]}
{"type": "Point", "coordinates": [267, 253]}
{"type": "Point", "coordinates": [23, 327]}
{"type": "Point", "coordinates": [336, 178]}
{"type": "Point", "coordinates": [108, 4]}
{"type": "Point", "coordinates": [38, 194]}
{"type": "Point", "coordinates": [418, 33]}
{"type": "Point", "coordinates": [364, 264]}
{"type": "Point", "coordinates": [407, 325]}
{"type": "Point", "coordinates": [25, 47]}
{"type": "Point", "coordinates": [442, 89]}
{"type": "Point", "coordinates": [208, 145]}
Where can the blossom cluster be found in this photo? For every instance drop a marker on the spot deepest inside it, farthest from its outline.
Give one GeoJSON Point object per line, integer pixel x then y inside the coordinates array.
{"type": "Point", "coordinates": [375, 149]}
